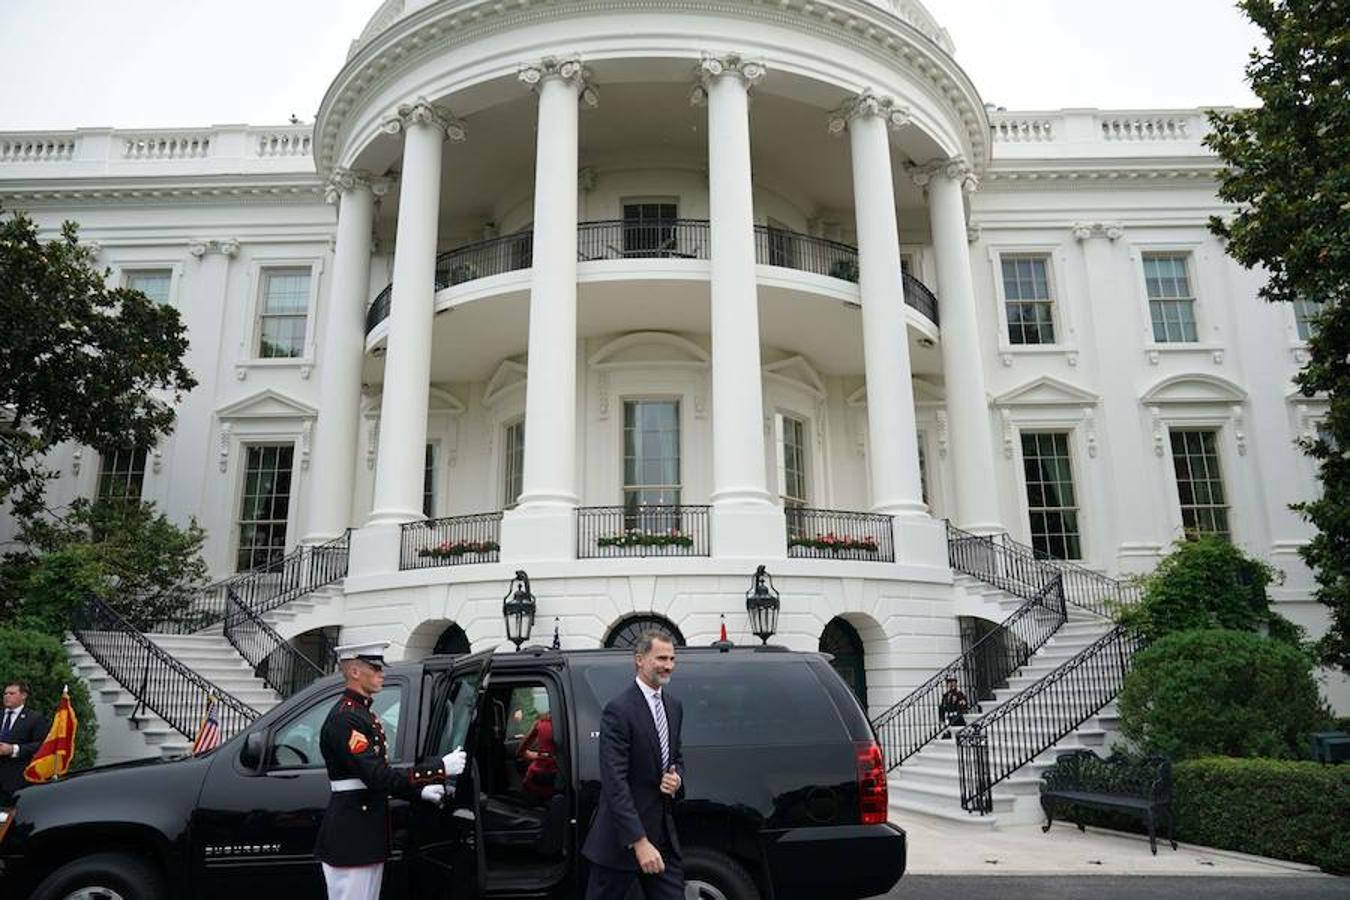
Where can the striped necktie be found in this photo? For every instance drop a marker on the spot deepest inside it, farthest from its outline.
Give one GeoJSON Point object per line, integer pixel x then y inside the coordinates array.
{"type": "Point", "coordinates": [662, 730]}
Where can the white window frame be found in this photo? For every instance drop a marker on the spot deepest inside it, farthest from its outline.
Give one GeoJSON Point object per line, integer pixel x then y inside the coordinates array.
{"type": "Point", "coordinates": [257, 280]}
{"type": "Point", "coordinates": [123, 271]}
{"type": "Point", "coordinates": [1296, 339]}
{"type": "Point", "coordinates": [504, 462]}
{"type": "Point", "coordinates": [1209, 340]}
{"type": "Point", "coordinates": [1061, 317]}
{"type": "Point", "coordinates": [623, 400]}
{"type": "Point", "coordinates": [103, 457]}
{"type": "Point", "coordinates": [240, 454]}
{"type": "Point", "coordinates": [436, 459]}
{"type": "Point", "coordinates": [1075, 468]}
{"type": "Point", "coordinates": [1164, 421]}
{"type": "Point", "coordinates": [1225, 474]}
{"type": "Point", "coordinates": [808, 453]}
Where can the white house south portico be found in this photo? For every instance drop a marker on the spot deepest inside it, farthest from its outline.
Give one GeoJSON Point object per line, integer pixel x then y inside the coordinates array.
{"type": "Point", "coordinates": [640, 297]}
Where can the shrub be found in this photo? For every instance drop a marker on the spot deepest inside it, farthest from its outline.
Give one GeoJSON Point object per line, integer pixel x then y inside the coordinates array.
{"type": "Point", "coordinates": [1204, 583]}
{"type": "Point", "coordinates": [1218, 692]}
{"type": "Point", "coordinates": [1289, 810]}
{"type": "Point", "coordinates": [40, 660]}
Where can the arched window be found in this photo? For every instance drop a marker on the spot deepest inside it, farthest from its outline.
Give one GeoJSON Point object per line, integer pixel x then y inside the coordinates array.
{"type": "Point", "coordinates": [840, 640]}
{"type": "Point", "coordinates": [452, 641]}
{"type": "Point", "coordinates": [625, 634]}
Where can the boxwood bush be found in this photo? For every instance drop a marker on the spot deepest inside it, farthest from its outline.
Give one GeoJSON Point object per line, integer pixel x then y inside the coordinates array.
{"type": "Point", "coordinates": [41, 661]}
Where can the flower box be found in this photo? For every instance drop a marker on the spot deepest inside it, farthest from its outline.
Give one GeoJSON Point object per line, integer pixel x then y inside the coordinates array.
{"type": "Point", "coordinates": [835, 544]}
{"type": "Point", "coordinates": [638, 538]}
{"type": "Point", "coordinates": [455, 549]}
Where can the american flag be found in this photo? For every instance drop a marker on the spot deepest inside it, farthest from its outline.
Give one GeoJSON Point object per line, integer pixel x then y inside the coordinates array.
{"type": "Point", "coordinates": [208, 735]}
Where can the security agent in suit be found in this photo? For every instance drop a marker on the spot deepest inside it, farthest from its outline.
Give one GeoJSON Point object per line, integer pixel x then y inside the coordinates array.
{"type": "Point", "coordinates": [353, 840]}
{"type": "Point", "coordinates": [641, 775]}
{"type": "Point", "coordinates": [22, 731]}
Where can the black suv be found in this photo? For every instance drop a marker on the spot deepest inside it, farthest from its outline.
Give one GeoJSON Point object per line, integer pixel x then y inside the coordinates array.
{"type": "Point", "coordinates": [785, 794]}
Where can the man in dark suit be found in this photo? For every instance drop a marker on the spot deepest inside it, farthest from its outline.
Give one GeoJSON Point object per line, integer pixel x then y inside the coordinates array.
{"type": "Point", "coordinates": [641, 775]}
{"type": "Point", "coordinates": [22, 731]}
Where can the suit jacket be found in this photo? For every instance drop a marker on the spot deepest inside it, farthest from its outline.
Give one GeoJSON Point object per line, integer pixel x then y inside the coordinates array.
{"type": "Point", "coordinates": [28, 731]}
{"type": "Point", "coordinates": [631, 803]}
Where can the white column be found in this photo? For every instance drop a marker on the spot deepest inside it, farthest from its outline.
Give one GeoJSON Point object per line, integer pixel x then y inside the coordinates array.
{"type": "Point", "coordinates": [407, 367]}
{"type": "Point", "coordinates": [971, 438]}
{"type": "Point", "coordinates": [543, 525]}
{"type": "Point", "coordinates": [333, 472]}
{"type": "Point", "coordinates": [892, 446]}
{"type": "Point", "coordinates": [746, 521]}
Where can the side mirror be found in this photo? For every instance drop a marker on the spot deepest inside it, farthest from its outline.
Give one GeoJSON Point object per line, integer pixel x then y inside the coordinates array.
{"type": "Point", "coordinates": [250, 757]}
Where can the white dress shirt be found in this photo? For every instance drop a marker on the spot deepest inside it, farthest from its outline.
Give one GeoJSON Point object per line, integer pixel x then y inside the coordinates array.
{"type": "Point", "coordinates": [13, 720]}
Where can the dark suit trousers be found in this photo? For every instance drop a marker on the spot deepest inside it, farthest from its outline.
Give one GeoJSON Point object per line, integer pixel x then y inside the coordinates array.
{"type": "Point", "coordinates": [613, 884]}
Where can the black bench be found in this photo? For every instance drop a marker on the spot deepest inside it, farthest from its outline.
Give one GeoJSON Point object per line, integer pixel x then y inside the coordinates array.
{"type": "Point", "coordinates": [1142, 787]}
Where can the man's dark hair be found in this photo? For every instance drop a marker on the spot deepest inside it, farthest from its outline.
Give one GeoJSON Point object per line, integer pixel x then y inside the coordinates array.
{"type": "Point", "coordinates": [644, 641]}
{"type": "Point", "coordinates": [20, 684]}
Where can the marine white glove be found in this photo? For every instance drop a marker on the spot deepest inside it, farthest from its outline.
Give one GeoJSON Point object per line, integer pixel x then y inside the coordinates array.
{"type": "Point", "coordinates": [454, 762]}
{"type": "Point", "coordinates": [434, 793]}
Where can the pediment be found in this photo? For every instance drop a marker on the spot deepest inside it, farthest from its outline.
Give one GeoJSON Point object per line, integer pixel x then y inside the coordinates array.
{"type": "Point", "coordinates": [438, 401]}
{"type": "Point", "coordinates": [510, 376]}
{"type": "Point", "coordinates": [1194, 389]}
{"type": "Point", "coordinates": [1047, 391]}
{"type": "Point", "coordinates": [649, 348]}
{"type": "Point", "coordinates": [797, 372]}
{"type": "Point", "coordinates": [267, 404]}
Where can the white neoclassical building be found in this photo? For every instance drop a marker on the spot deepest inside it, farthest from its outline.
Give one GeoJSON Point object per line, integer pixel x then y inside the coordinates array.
{"type": "Point", "coordinates": [639, 296]}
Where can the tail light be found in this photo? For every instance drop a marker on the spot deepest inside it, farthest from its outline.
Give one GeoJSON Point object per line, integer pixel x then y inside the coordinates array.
{"type": "Point", "coordinates": [873, 802]}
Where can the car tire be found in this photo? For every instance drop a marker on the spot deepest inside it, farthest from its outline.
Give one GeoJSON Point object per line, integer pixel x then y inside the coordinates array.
{"type": "Point", "coordinates": [103, 876]}
{"type": "Point", "coordinates": [709, 875]}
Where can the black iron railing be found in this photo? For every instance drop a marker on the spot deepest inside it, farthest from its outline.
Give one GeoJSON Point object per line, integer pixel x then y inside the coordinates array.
{"type": "Point", "coordinates": [839, 534]}
{"type": "Point", "coordinates": [1004, 565]}
{"type": "Point", "coordinates": [159, 681]}
{"type": "Point", "coordinates": [675, 530]}
{"type": "Point", "coordinates": [281, 666]}
{"type": "Point", "coordinates": [451, 541]}
{"type": "Point", "coordinates": [909, 725]}
{"type": "Point", "coordinates": [1084, 588]}
{"type": "Point", "coordinates": [1033, 721]}
{"type": "Point", "coordinates": [654, 239]}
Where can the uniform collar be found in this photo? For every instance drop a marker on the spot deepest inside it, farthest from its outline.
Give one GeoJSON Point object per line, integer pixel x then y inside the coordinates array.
{"type": "Point", "coordinates": [356, 697]}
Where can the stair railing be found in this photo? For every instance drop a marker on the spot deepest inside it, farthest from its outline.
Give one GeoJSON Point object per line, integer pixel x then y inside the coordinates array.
{"type": "Point", "coordinates": [998, 744]}
{"type": "Point", "coordinates": [281, 666]}
{"type": "Point", "coordinates": [158, 680]}
{"type": "Point", "coordinates": [913, 722]}
{"type": "Point", "coordinates": [1084, 588]}
{"type": "Point", "coordinates": [279, 581]}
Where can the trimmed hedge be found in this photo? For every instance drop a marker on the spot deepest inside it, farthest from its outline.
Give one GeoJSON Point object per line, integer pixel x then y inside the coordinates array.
{"type": "Point", "coordinates": [1298, 811]}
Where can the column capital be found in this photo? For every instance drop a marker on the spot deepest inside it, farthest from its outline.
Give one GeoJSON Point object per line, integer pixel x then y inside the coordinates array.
{"type": "Point", "coordinates": [345, 180]}
{"type": "Point", "coordinates": [565, 68]}
{"type": "Point", "coordinates": [712, 65]}
{"type": "Point", "coordinates": [868, 103]}
{"type": "Point", "coordinates": [955, 169]}
{"type": "Point", "coordinates": [1112, 231]}
{"type": "Point", "coordinates": [421, 111]}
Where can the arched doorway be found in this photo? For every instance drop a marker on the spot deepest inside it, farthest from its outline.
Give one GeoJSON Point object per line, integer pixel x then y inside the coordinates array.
{"type": "Point", "coordinates": [625, 632]}
{"type": "Point", "coordinates": [452, 641]}
{"type": "Point", "coordinates": [841, 641]}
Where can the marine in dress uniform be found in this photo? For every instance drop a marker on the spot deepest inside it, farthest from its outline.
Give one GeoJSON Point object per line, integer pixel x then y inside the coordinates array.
{"type": "Point", "coordinates": [353, 840]}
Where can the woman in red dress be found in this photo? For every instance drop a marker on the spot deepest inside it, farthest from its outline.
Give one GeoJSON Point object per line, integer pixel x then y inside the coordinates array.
{"type": "Point", "coordinates": [540, 751]}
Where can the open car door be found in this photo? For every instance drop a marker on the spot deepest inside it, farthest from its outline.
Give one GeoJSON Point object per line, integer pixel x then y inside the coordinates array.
{"type": "Point", "coordinates": [447, 841]}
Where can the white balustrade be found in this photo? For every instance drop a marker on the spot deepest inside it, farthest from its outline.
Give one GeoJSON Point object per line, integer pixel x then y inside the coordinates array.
{"type": "Point", "coordinates": [1023, 131]}
{"type": "Point", "coordinates": [36, 149]}
{"type": "Point", "coordinates": [1157, 128]}
{"type": "Point", "coordinates": [280, 144]}
{"type": "Point", "coordinates": [168, 146]}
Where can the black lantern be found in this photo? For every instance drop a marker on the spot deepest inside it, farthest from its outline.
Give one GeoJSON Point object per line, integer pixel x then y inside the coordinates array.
{"type": "Point", "coordinates": [518, 609]}
{"type": "Point", "coordinates": [761, 604]}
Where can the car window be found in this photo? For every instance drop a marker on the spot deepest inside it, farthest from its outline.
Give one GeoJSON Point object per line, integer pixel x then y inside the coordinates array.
{"type": "Point", "coordinates": [732, 704]}
{"type": "Point", "coordinates": [460, 703]}
{"type": "Point", "coordinates": [295, 745]}
{"type": "Point", "coordinates": [525, 707]}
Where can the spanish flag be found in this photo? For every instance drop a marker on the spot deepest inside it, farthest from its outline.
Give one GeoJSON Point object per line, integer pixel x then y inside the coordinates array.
{"type": "Point", "coordinates": [52, 759]}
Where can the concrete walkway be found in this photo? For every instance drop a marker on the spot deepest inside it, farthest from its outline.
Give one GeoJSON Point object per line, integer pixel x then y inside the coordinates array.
{"type": "Point", "coordinates": [940, 847]}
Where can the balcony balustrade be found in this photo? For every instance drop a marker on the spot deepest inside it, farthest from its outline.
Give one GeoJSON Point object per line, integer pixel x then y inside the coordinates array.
{"type": "Point", "coordinates": [451, 541]}
{"type": "Point", "coordinates": [654, 239]}
{"type": "Point", "coordinates": [837, 534]}
{"type": "Point", "coordinates": [624, 531]}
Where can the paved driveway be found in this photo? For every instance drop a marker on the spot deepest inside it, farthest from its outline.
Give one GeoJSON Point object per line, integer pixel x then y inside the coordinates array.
{"type": "Point", "coordinates": [1186, 887]}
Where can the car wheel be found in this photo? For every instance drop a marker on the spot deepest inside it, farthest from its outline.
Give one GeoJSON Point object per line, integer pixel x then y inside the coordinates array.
{"type": "Point", "coordinates": [709, 875]}
{"type": "Point", "coordinates": [103, 876]}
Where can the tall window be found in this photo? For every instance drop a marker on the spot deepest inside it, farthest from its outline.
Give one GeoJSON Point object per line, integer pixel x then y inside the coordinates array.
{"type": "Point", "coordinates": [1026, 295]}
{"type": "Point", "coordinates": [265, 505]}
{"type": "Point", "coordinates": [513, 471]}
{"type": "Point", "coordinates": [153, 283]}
{"type": "Point", "coordinates": [792, 460]}
{"type": "Point", "coordinates": [283, 313]}
{"type": "Point", "coordinates": [923, 469]}
{"type": "Point", "coordinates": [1204, 505]}
{"type": "Point", "coordinates": [1171, 302]}
{"type": "Point", "coordinates": [651, 454]}
{"type": "Point", "coordinates": [1305, 316]}
{"type": "Point", "coordinates": [121, 473]}
{"type": "Point", "coordinates": [1052, 504]}
{"type": "Point", "coordinates": [429, 483]}
{"type": "Point", "coordinates": [649, 228]}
